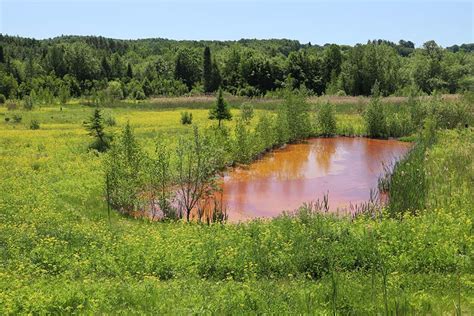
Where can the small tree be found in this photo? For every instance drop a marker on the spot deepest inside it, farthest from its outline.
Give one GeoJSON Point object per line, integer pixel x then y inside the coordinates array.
{"type": "Point", "coordinates": [196, 165]}
{"type": "Point", "coordinates": [34, 124]}
{"type": "Point", "coordinates": [63, 95]}
{"type": "Point", "coordinates": [186, 118]}
{"type": "Point", "coordinates": [114, 91]}
{"type": "Point", "coordinates": [95, 127]}
{"type": "Point", "coordinates": [282, 130]}
{"type": "Point", "coordinates": [124, 173]}
{"type": "Point", "coordinates": [374, 115]}
{"type": "Point", "coordinates": [246, 112]}
{"type": "Point", "coordinates": [327, 120]}
{"type": "Point", "coordinates": [264, 133]}
{"type": "Point", "coordinates": [161, 176]}
{"type": "Point", "coordinates": [243, 143]}
{"type": "Point", "coordinates": [28, 103]}
{"type": "Point", "coordinates": [221, 110]}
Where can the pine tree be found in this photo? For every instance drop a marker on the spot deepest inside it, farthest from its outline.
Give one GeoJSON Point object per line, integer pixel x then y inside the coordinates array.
{"type": "Point", "coordinates": [221, 110]}
{"type": "Point", "coordinates": [129, 71]}
{"type": "Point", "coordinates": [2, 56]}
{"type": "Point", "coordinates": [207, 71]}
{"type": "Point", "coordinates": [216, 78]}
{"type": "Point", "coordinates": [106, 70]}
{"type": "Point", "coordinates": [95, 126]}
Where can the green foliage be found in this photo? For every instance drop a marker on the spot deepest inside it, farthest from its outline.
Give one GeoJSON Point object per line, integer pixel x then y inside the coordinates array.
{"type": "Point", "coordinates": [124, 173]}
{"type": "Point", "coordinates": [187, 67]}
{"type": "Point", "coordinates": [211, 77]}
{"type": "Point", "coordinates": [246, 67]}
{"type": "Point", "coordinates": [265, 137]}
{"type": "Point", "coordinates": [28, 103]}
{"type": "Point", "coordinates": [17, 118]}
{"type": "Point", "coordinates": [95, 127]}
{"type": "Point", "coordinates": [160, 182]}
{"type": "Point", "coordinates": [8, 85]}
{"type": "Point", "coordinates": [375, 116]}
{"type": "Point", "coordinates": [282, 129]}
{"type": "Point", "coordinates": [196, 167]}
{"type": "Point", "coordinates": [34, 124]}
{"type": "Point", "coordinates": [297, 116]}
{"type": "Point", "coordinates": [114, 91]}
{"type": "Point", "coordinates": [408, 184]}
{"type": "Point", "coordinates": [186, 118]}
{"type": "Point", "coordinates": [61, 254]}
{"type": "Point", "coordinates": [64, 94]}
{"type": "Point", "coordinates": [246, 112]}
{"type": "Point", "coordinates": [326, 120]}
{"type": "Point", "coordinates": [135, 90]}
{"type": "Point", "coordinates": [2, 99]}
{"type": "Point", "coordinates": [221, 110]}
{"type": "Point", "coordinates": [243, 143]}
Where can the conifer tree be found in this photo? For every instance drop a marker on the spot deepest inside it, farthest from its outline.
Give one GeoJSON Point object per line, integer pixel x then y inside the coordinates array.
{"type": "Point", "coordinates": [106, 70]}
{"type": "Point", "coordinates": [2, 56]}
{"type": "Point", "coordinates": [221, 110]}
{"type": "Point", "coordinates": [95, 127]}
{"type": "Point", "coordinates": [129, 71]}
{"type": "Point", "coordinates": [207, 71]}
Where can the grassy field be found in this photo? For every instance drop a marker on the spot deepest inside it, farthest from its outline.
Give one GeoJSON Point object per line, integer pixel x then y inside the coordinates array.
{"type": "Point", "coordinates": [60, 253]}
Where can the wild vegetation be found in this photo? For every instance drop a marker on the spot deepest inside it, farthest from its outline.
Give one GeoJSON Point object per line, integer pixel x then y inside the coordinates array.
{"type": "Point", "coordinates": [109, 200]}
{"type": "Point", "coordinates": [105, 70]}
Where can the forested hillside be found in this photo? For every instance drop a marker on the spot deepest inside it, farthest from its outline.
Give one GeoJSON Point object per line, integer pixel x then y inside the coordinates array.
{"type": "Point", "coordinates": [78, 66]}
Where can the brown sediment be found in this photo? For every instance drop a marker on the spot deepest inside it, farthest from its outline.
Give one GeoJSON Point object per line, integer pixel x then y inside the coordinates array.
{"type": "Point", "coordinates": [345, 168]}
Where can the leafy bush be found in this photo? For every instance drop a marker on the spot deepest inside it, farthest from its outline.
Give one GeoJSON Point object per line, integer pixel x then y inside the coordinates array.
{"type": "Point", "coordinates": [243, 143]}
{"type": "Point", "coordinates": [28, 103]}
{"type": "Point", "coordinates": [110, 120]}
{"type": "Point", "coordinates": [17, 118]}
{"type": "Point", "coordinates": [34, 124]}
{"type": "Point", "coordinates": [326, 120]}
{"type": "Point", "coordinates": [114, 91]}
{"type": "Point", "coordinates": [399, 124]}
{"type": "Point", "coordinates": [2, 99]}
{"type": "Point", "coordinates": [246, 112]}
{"type": "Point", "coordinates": [7, 119]}
{"type": "Point", "coordinates": [375, 119]}
{"type": "Point", "coordinates": [186, 118]}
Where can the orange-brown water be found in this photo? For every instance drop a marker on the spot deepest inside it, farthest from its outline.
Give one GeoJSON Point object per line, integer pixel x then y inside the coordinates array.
{"type": "Point", "coordinates": [346, 168]}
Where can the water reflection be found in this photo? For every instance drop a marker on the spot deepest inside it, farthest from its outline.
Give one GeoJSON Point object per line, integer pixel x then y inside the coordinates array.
{"type": "Point", "coordinates": [347, 168]}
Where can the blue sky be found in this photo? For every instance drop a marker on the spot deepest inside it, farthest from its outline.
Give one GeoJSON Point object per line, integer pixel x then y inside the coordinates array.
{"type": "Point", "coordinates": [342, 22]}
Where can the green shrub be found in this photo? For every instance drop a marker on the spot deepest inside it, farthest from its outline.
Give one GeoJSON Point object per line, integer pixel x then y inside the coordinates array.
{"type": "Point", "coordinates": [17, 118]}
{"type": "Point", "coordinates": [28, 103]}
{"type": "Point", "coordinates": [2, 99]}
{"type": "Point", "coordinates": [110, 120]}
{"type": "Point", "coordinates": [399, 124]}
{"type": "Point", "coordinates": [375, 115]}
{"type": "Point", "coordinates": [7, 119]}
{"type": "Point", "coordinates": [326, 120]}
{"type": "Point", "coordinates": [34, 124]}
{"type": "Point", "coordinates": [186, 118]}
{"type": "Point", "coordinates": [246, 112]}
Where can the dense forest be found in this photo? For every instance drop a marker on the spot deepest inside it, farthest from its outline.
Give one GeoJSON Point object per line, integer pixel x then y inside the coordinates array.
{"type": "Point", "coordinates": [90, 66]}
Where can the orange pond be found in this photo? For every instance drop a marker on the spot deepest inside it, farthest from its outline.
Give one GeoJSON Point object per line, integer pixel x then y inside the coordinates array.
{"type": "Point", "coordinates": [345, 168]}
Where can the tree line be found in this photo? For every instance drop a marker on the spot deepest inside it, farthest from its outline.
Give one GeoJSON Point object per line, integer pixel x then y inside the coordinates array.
{"type": "Point", "coordinates": [99, 68]}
